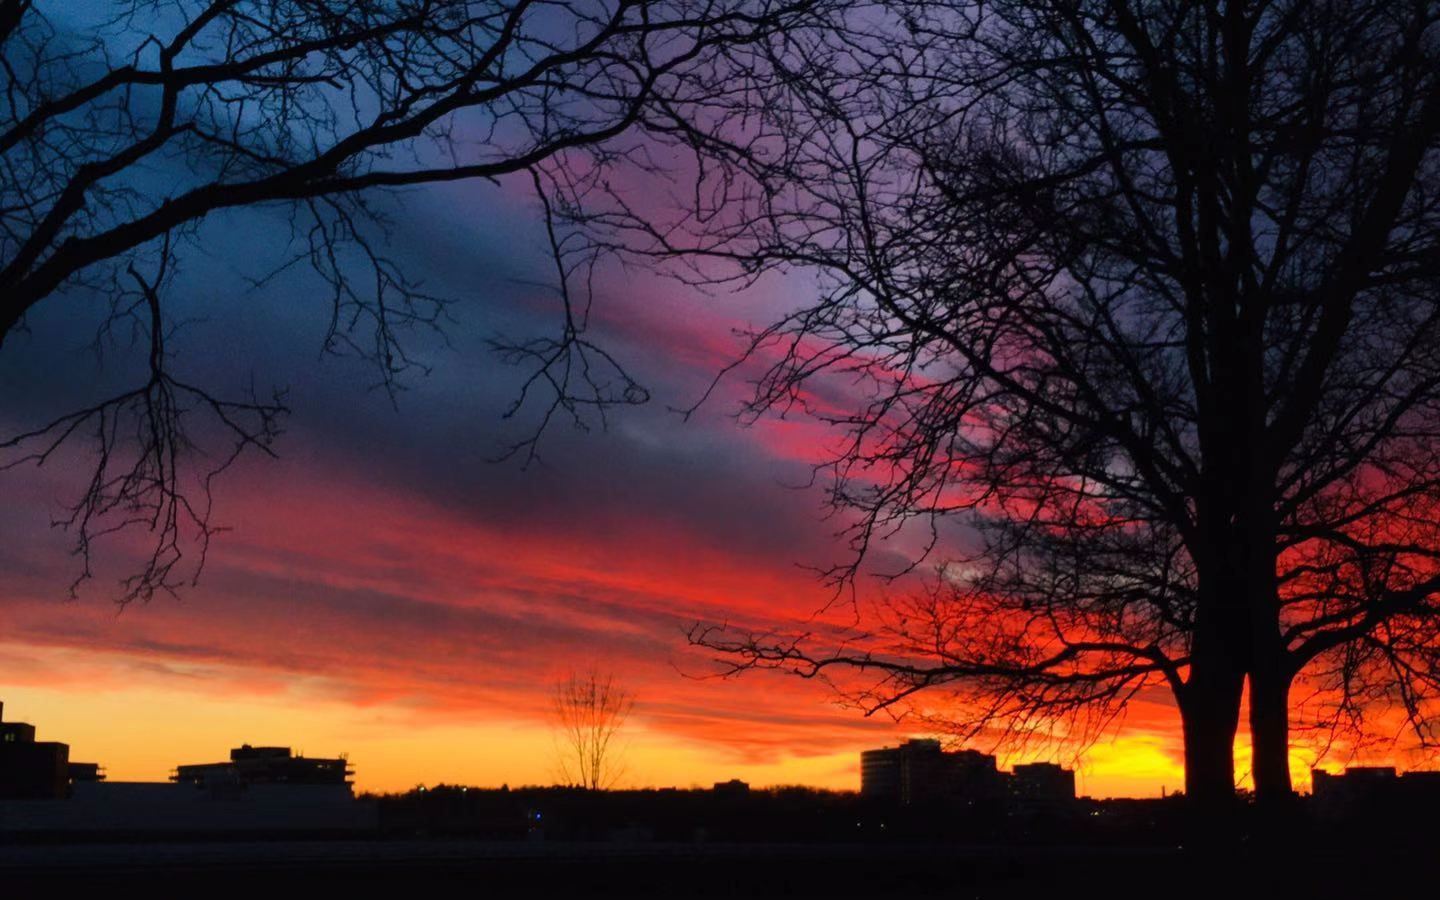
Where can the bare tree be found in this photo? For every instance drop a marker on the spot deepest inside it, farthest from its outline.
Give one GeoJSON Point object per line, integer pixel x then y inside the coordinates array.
{"type": "Point", "coordinates": [118, 139]}
{"type": "Point", "coordinates": [1142, 294]}
{"type": "Point", "coordinates": [590, 710]}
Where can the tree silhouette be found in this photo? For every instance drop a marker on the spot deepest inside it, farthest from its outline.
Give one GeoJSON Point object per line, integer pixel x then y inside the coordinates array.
{"type": "Point", "coordinates": [312, 106]}
{"type": "Point", "coordinates": [590, 709]}
{"type": "Point", "coordinates": [1145, 295]}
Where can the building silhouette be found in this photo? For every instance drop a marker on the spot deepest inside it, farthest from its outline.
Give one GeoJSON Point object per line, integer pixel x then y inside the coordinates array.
{"type": "Point", "coordinates": [1370, 789]}
{"type": "Point", "coordinates": [258, 790]}
{"type": "Point", "coordinates": [732, 788]}
{"type": "Point", "coordinates": [1041, 784]}
{"type": "Point", "coordinates": [880, 773]}
{"type": "Point", "coordinates": [265, 765]}
{"type": "Point", "coordinates": [920, 771]}
{"type": "Point", "coordinates": [86, 772]}
{"type": "Point", "coordinates": [37, 770]}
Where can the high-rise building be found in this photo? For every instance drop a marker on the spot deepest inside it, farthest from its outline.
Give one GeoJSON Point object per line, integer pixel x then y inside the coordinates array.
{"type": "Point", "coordinates": [919, 770]}
{"type": "Point", "coordinates": [1041, 784]}
{"type": "Point", "coordinates": [880, 774]}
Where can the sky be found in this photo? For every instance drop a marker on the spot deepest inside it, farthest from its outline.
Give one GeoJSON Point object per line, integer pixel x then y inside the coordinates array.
{"type": "Point", "coordinates": [386, 590]}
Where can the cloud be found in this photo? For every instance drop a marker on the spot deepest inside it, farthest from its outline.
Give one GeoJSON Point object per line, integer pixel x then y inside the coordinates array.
{"type": "Point", "coordinates": [384, 564]}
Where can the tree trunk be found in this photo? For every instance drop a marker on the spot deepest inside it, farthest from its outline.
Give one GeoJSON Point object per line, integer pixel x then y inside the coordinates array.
{"type": "Point", "coordinates": [1209, 760]}
{"type": "Point", "coordinates": [1270, 673]}
{"type": "Point", "coordinates": [1270, 733]}
{"type": "Point", "coordinates": [1210, 699]}
{"type": "Point", "coordinates": [1210, 715]}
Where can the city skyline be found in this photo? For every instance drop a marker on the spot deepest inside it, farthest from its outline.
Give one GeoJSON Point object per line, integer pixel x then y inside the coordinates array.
{"type": "Point", "coordinates": [911, 772]}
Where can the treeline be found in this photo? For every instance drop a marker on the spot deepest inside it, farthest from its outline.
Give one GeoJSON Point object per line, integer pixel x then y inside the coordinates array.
{"type": "Point", "coordinates": [785, 815]}
{"type": "Point", "coordinates": [797, 815]}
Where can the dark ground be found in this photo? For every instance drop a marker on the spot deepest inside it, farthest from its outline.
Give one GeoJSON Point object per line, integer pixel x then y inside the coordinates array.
{"type": "Point", "coordinates": [423, 868]}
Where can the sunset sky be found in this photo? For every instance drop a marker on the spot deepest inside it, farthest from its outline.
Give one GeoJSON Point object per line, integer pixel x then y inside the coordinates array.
{"type": "Point", "coordinates": [388, 591]}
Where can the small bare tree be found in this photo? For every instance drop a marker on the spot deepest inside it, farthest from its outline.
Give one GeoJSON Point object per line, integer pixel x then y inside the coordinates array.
{"type": "Point", "coordinates": [590, 709]}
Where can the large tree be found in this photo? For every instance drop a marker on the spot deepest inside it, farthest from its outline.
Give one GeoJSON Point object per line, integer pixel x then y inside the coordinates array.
{"type": "Point", "coordinates": [124, 126]}
{"type": "Point", "coordinates": [1147, 294]}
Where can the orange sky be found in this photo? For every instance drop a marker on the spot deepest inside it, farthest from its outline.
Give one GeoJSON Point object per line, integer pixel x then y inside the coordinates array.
{"type": "Point", "coordinates": [388, 592]}
{"type": "Point", "coordinates": [420, 643]}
